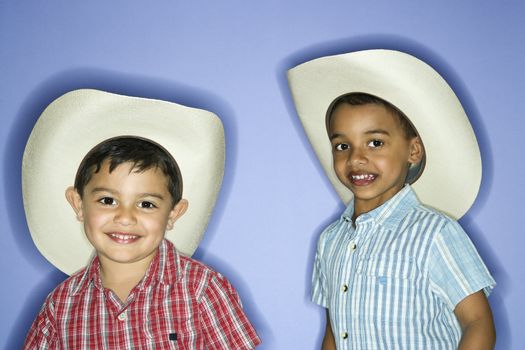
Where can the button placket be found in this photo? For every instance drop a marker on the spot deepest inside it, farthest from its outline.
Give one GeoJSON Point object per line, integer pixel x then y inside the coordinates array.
{"type": "Point", "coordinates": [344, 286]}
{"type": "Point", "coordinates": [352, 251]}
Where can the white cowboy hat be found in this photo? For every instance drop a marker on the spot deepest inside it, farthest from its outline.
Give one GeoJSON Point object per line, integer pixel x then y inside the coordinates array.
{"type": "Point", "coordinates": [79, 120]}
{"type": "Point", "coordinates": [452, 174]}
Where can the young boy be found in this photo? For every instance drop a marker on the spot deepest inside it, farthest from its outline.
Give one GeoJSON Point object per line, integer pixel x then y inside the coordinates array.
{"type": "Point", "coordinates": [138, 292]}
{"type": "Point", "coordinates": [391, 272]}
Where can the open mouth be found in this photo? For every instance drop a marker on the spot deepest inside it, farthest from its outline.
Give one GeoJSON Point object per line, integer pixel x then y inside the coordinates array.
{"type": "Point", "coordinates": [361, 179]}
{"type": "Point", "coordinates": [122, 238]}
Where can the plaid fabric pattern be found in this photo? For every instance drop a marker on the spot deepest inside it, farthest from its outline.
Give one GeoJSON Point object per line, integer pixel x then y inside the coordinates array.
{"type": "Point", "coordinates": [392, 279]}
{"type": "Point", "coordinates": [179, 304]}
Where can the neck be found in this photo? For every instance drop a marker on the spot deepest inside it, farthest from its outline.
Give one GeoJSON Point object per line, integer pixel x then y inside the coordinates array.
{"type": "Point", "coordinates": [362, 205]}
{"type": "Point", "coordinates": [121, 278]}
{"type": "Point", "coordinates": [358, 211]}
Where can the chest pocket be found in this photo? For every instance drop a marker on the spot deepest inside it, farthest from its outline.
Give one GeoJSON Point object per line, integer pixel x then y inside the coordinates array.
{"type": "Point", "coordinates": [387, 267]}
{"type": "Point", "coordinates": [179, 335]}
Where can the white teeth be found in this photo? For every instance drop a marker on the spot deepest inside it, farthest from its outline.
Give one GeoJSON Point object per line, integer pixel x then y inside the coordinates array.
{"type": "Point", "coordinates": [123, 237]}
{"type": "Point", "coordinates": [363, 177]}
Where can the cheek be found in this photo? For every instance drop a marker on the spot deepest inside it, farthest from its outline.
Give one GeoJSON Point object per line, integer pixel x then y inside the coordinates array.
{"type": "Point", "coordinates": [340, 169]}
{"type": "Point", "coordinates": [95, 219]}
{"type": "Point", "coordinates": [390, 161]}
{"type": "Point", "coordinates": [391, 166]}
{"type": "Point", "coordinates": [155, 223]}
{"type": "Point", "coordinates": [384, 163]}
{"type": "Point", "coordinates": [339, 164]}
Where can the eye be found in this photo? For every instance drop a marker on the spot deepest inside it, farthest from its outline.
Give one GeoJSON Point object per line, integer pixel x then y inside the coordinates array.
{"type": "Point", "coordinates": [107, 201]}
{"type": "Point", "coordinates": [147, 205]}
{"type": "Point", "coordinates": [375, 143]}
{"type": "Point", "coordinates": [341, 147]}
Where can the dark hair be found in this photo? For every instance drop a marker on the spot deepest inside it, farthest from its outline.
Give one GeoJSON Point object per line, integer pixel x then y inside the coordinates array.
{"type": "Point", "coordinates": [144, 154]}
{"type": "Point", "coordinates": [360, 98]}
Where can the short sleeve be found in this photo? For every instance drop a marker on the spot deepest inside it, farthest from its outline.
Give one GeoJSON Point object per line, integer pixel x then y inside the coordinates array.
{"type": "Point", "coordinates": [42, 334]}
{"type": "Point", "coordinates": [319, 287]}
{"type": "Point", "coordinates": [455, 267]}
{"type": "Point", "coordinates": [223, 320]}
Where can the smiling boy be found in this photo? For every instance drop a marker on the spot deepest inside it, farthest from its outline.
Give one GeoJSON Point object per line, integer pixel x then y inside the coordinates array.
{"type": "Point", "coordinates": [126, 207]}
{"type": "Point", "coordinates": [138, 291]}
{"type": "Point", "coordinates": [393, 273]}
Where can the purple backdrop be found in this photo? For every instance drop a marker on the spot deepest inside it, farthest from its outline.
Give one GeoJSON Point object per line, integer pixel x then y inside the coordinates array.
{"type": "Point", "coordinates": [231, 57]}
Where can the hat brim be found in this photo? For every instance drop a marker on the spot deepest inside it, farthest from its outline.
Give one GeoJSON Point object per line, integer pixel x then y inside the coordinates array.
{"type": "Point", "coordinates": [452, 175]}
{"type": "Point", "coordinates": [77, 121]}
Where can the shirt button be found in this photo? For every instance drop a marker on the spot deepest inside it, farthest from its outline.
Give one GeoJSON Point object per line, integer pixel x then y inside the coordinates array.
{"type": "Point", "coordinates": [123, 316]}
{"type": "Point", "coordinates": [344, 288]}
{"type": "Point", "coordinates": [352, 246]}
{"type": "Point", "coordinates": [344, 335]}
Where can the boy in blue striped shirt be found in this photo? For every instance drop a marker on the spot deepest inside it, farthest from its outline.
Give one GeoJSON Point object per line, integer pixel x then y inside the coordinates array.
{"type": "Point", "coordinates": [393, 273]}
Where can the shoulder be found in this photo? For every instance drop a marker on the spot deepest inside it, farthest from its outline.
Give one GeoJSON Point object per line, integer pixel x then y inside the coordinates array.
{"type": "Point", "coordinates": [449, 242]}
{"type": "Point", "coordinates": [423, 227]}
{"type": "Point", "coordinates": [62, 295]}
{"type": "Point", "coordinates": [442, 223]}
{"type": "Point", "coordinates": [44, 331]}
{"type": "Point", "coordinates": [187, 274]}
{"type": "Point", "coordinates": [425, 217]}
{"type": "Point", "coordinates": [201, 278]}
{"type": "Point", "coordinates": [330, 232]}
{"type": "Point", "coordinates": [69, 287]}
{"type": "Point", "coordinates": [194, 270]}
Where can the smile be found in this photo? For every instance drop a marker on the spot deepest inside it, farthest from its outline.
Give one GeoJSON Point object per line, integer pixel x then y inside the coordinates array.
{"type": "Point", "coordinates": [362, 179]}
{"type": "Point", "coordinates": [122, 238]}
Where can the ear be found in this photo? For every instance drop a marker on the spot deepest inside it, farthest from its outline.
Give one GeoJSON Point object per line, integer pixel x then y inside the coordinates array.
{"type": "Point", "coordinates": [416, 150]}
{"type": "Point", "coordinates": [74, 199]}
{"type": "Point", "coordinates": [178, 210]}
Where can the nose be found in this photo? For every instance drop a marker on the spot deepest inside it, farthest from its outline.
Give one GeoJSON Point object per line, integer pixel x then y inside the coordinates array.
{"type": "Point", "coordinates": [356, 157]}
{"type": "Point", "coordinates": [125, 216]}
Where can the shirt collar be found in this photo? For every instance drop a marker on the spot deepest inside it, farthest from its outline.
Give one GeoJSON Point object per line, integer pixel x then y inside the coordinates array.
{"type": "Point", "coordinates": [165, 268]}
{"type": "Point", "coordinates": [390, 213]}
{"type": "Point", "coordinates": [90, 274]}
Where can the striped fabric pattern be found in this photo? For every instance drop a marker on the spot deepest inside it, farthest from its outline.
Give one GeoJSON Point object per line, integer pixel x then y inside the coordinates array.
{"type": "Point", "coordinates": [393, 279]}
{"type": "Point", "coordinates": [180, 304]}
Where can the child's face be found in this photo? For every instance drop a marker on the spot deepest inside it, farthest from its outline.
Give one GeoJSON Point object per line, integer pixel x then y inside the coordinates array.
{"type": "Point", "coordinates": [371, 153]}
{"type": "Point", "coordinates": [125, 213]}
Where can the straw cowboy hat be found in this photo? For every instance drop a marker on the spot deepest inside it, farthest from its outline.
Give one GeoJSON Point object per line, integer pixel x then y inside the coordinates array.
{"type": "Point", "coordinates": [79, 120]}
{"type": "Point", "coordinates": [452, 174]}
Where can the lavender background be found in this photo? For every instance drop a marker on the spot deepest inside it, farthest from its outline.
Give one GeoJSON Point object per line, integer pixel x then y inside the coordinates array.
{"type": "Point", "coordinates": [231, 57]}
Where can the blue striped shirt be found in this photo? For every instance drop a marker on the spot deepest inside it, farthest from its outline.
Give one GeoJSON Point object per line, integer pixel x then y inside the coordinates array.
{"type": "Point", "coordinates": [393, 279]}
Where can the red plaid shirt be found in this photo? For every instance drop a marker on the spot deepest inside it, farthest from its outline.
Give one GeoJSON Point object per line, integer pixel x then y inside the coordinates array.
{"type": "Point", "coordinates": [179, 304]}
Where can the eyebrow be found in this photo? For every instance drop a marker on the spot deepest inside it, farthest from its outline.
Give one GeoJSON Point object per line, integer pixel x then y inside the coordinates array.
{"type": "Point", "coordinates": [144, 194]}
{"type": "Point", "coordinates": [378, 131]}
{"type": "Point", "coordinates": [334, 136]}
{"type": "Point", "coordinates": [102, 189]}
{"type": "Point", "coordinates": [368, 132]}
{"type": "Point", "coordinates": [148, 194]}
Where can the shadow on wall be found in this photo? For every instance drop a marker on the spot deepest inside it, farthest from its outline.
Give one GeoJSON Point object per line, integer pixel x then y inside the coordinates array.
{"type": "Point", "coordinates": [115, 82]}
{"type": "Point", "coordinates": [440, 64]}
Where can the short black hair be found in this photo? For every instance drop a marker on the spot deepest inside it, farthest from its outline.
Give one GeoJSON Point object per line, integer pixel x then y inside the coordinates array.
{"type": "Point", "coordinates": [142, 153]}
{"type": "Point", "coordinates": [361, 98]}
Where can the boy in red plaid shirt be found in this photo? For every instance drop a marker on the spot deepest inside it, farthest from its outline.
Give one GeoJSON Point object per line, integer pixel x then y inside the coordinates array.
{"type": "Point", "coordinates": [138, 292]}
